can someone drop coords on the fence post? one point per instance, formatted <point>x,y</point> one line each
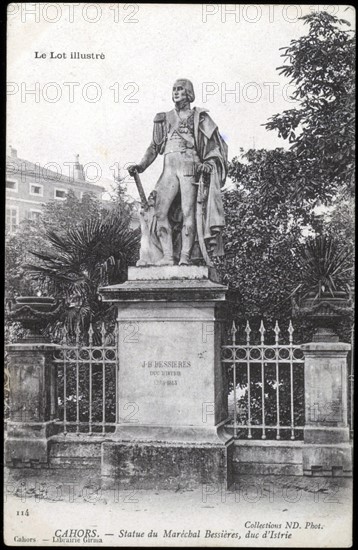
<point>32,403</point>
<point>327,450</point>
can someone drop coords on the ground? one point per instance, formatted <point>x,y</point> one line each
<point>258,511</point>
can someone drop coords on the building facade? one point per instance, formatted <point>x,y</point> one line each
<point>29,186</point>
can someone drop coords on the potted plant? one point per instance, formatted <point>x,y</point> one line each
<point>325,293</point>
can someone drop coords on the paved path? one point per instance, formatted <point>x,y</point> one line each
<point>258,511</point>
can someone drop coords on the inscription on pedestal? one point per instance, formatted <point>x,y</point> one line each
<point>165,373</point>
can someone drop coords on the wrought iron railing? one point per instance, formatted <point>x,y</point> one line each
<point>266,386</point>
<point>87,382</point>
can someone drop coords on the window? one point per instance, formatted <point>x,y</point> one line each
<point>12,185</point>
<point>11,219</point>
<point>36,189</point>
<point>35,215</point>
<point>60,193</point>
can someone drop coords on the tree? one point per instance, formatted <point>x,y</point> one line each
<point>95,253</point>
<point>17,281</point>
<point>60,216</point>
<point>273,208</point>
<point>321,128</point>
<point>75,248</point>
<point>31,237</point>
<point>263,229</point>
<point>340,223</point>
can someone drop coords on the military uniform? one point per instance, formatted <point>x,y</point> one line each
<point>179,170</point>
<point>184,142</point>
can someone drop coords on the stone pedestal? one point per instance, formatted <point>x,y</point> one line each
<point>172,389</point>
<point>327,450</point>
<point>32,403</point>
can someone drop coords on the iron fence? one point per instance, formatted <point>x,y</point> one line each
<point>87,382</point>
<point>266,386</point>
<point>265,393</point>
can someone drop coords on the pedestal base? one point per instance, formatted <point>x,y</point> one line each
<point>27,443</point>
<point>325,435</point>
<point>328,460</point>
<point>163,465</point>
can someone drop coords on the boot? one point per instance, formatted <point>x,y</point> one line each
<point>165,261</point>
<point>165,238</point>
<point>184,258</point>
<point>187,244</point>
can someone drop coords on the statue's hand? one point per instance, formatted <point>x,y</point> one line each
<point>135,168</point>
<point>204,168</point>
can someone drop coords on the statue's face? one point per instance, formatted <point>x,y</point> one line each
<point>179,92</point>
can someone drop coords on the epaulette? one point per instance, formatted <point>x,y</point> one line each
<point>159,117</point>
<point>201,110</point>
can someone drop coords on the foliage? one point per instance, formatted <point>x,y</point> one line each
<point>263,229</point>
<point>60,216</point>
<point>76,247</point>
<point>340,223</point>
<point>31,237</point>
<point>280,179</point>
<point>324,265</point>
<point>95,253</point>
<point>87,411</point>
<point>17,246</point>
<point>321,128</point>
<point>273,208</point>
<point>270,393</point>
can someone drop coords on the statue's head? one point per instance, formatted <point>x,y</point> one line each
<point>183,89</point>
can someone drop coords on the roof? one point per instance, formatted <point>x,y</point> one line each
<point>17,165</point>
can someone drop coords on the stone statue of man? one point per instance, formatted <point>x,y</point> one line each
<point>188,215</point>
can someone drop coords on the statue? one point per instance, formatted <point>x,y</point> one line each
<point>183,219</point>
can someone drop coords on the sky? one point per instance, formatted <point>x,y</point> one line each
<point>103,108</point>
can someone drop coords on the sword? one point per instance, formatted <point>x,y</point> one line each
<point>199,221</point>
<point>143,198</point>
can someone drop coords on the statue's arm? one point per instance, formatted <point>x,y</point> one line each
<point>149,156</point>
<point>158,139</point>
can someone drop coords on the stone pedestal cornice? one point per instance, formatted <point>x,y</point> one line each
<point>167,284</point>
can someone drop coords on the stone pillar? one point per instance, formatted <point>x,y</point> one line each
<point>327,450</point>
<point>172,388</point>
<point>32,403</point>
